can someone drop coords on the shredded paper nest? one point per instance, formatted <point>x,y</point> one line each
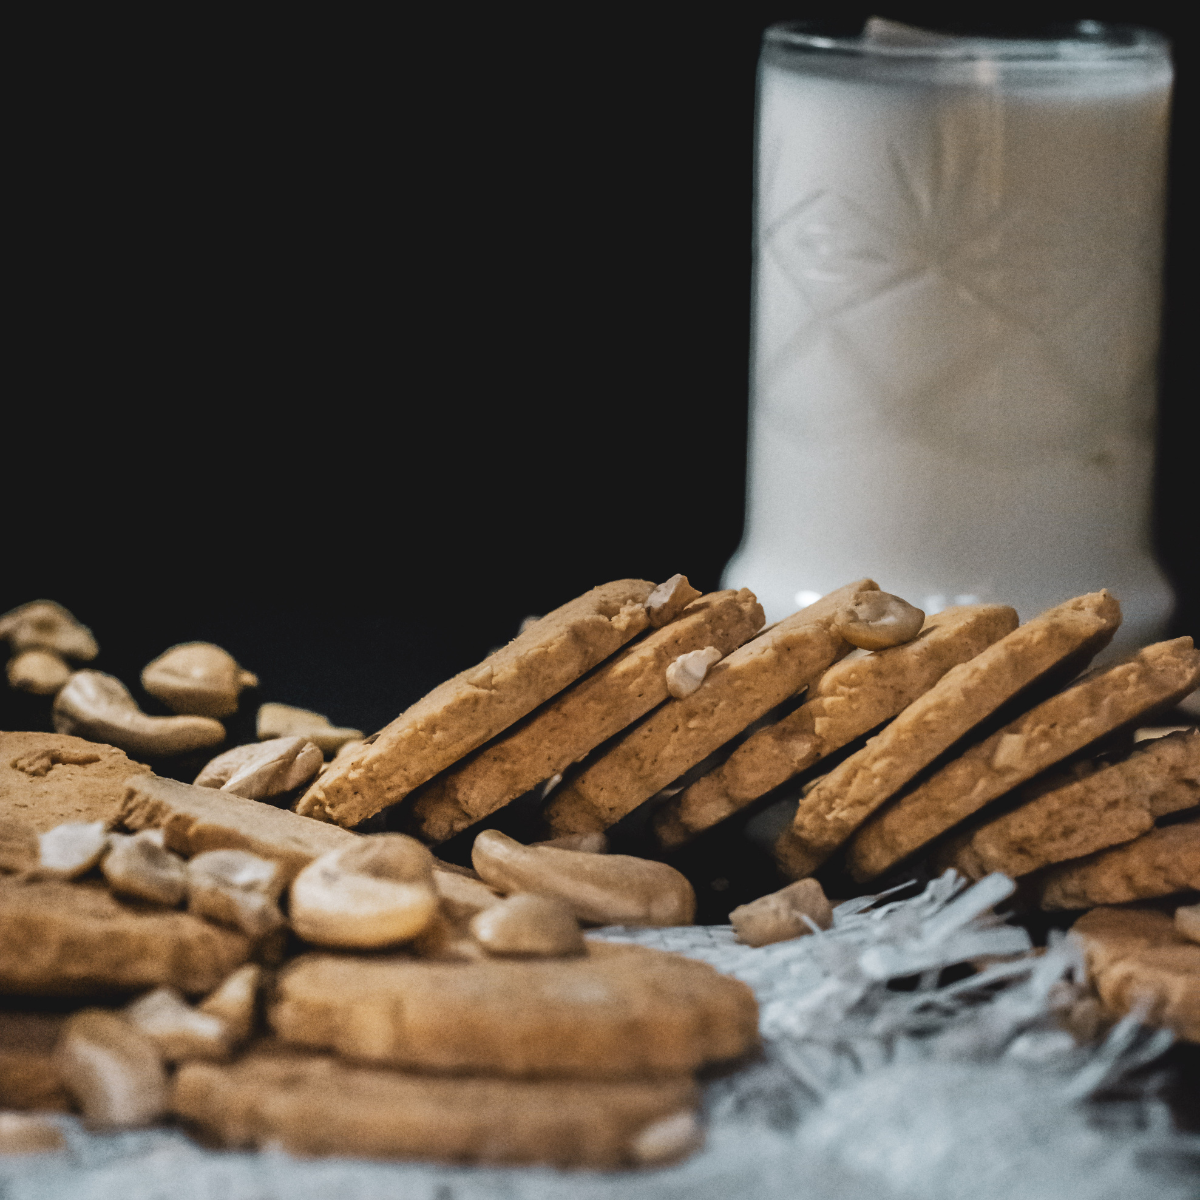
<point>862,1090</point>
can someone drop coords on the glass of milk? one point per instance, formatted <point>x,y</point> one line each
<point>958,249</point>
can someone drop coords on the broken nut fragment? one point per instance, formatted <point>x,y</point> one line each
<point>263,769</point>
<point>234,1002</point>
<point>377,893</point>
<point>537,926</point>
<point>781,915</point>
<point>114,1072</point>
<point>666,1140</point>
<point>669,599</point>
<point>197,678</point>
<point>141,868</point>
<point>236,888</point>
<point>877,620</point>
<point>45,625</point>
<point>39,672</point>
<point>282,720</point>
<point>688,671</point>
<point>178,1030</point>
<point>67,851</point>
<point>583,843</point>
<point>600,889</point>
<point>1187,921</point>
<point>99,707</point>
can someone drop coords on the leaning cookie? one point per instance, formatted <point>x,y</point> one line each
<point>1066,723</point>
<point>464,712</point>
<point>849,700</point>
<point>966,695</point>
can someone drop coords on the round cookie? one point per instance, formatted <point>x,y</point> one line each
<point>617,1012</point>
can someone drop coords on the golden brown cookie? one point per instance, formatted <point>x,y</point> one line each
<point>848,701</point>
<point>930,725</point>
<point>618,1012</point>
<point>737,691</point>
<point>589,712</point>
<point>28,1077</point>
<point>1077,717</point>
<point>69,939</point>
<point>49,779</point>
<point>1136,957</point>
<point>466,711</point>
<point>1070,815</point>
<point>314,1104</point>
<point>1158,863</point>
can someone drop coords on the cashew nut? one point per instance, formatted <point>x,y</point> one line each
<point>176,1028</point>
<point>669,599</point>
<point>461,898</point>
<point>666,1139</point>
<point>780,916</point>
<point>263,769</point>
<point>40,672</point>
<point>538,926</point>
<point>197,678</point>
<point>99,707</point>
<point>282,720</point>
<point>114,1073</point>
<point>1187,921</point>
<point>141,868</point>
<point>379,892</point>
<point>600,889</point>
<point>69,850</point>
<point>237,888</point>
<point>19,851</point>
<point>234,1002</point>
<point>877,620</point>
<point>688,671</point>
<point>29,1133</point>
<point>45,625</point>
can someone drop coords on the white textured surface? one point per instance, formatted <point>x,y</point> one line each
<point>862,1091</point>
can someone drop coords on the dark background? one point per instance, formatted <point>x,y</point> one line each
<point>348,345</point>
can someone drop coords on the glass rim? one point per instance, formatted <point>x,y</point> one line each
<point>1084,43</point>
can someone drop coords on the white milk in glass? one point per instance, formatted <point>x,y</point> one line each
<point>957,282</point>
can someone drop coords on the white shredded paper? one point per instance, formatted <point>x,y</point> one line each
<point>863,1091</point>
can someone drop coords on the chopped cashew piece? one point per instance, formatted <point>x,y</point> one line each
<point>282,720</point>
<point>197,678</point>
<point>237,888</point>
<point>29,1133</point>
<point>669,599</point>
<point>176,1028</point>
<point>41,672</point>
<point>781,915</point>
<point>538,926</point>
<point>45,625</point>
<point>377,893</point>
<point>114,1072</point>
<point>600,889</point>
<point>687,672</point>
<point>1187,921</point>
<point>99,707</point>
<point>667,1139</point>
<point>1150,733</point>
<point>70,850</point>
<point>877,620</point>
<point>234,1002</point>
<point>584,843</point>
<point>263,769</point>
<point>141,868</point>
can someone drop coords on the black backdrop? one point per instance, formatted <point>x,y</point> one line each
<point>347,342</point>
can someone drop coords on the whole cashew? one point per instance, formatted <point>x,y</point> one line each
<point>197,678</point>
<point>45,625</point>
<point>99,707</point>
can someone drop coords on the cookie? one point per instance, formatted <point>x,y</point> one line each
<point>930,725</point>
<point>1136,958</point>
<point>849,700</point>
<point>1068,817</point>
<point>589,712</point>
<point>1077,717</point>
<point>28,1077</point>
<point>316,1105</point>
<point>72,939</point>
<point>737,691</point>
<point>49,779</point>
<point>464,712</point>
<point>1158,863</point>
<point>617,1012</point>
